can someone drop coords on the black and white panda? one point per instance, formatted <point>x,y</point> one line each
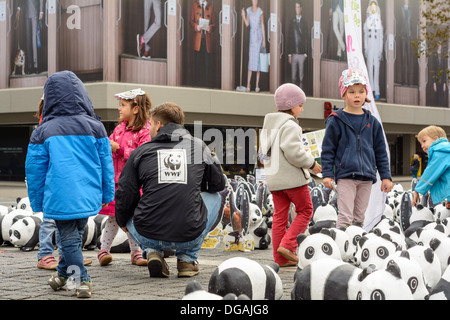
<point>326,279</point>
<point>244,276</point>
<point>441,248</point>
<point>373,249</point>
<point>195,292</point>
<point>317,246</point>
<point>24,233</point>
<point>442,289</point>
<point>429,263</point>
<point>420,217</point>
<point>90,235</point>
<point>7,221</point>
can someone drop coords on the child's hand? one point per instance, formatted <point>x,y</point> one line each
<point>415,198</point>
<point>317,169</point>
<point>386,185</point>
<point>328,182</point>
<point>114,146</point>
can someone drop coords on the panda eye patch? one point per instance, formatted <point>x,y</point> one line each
<point>382,252</point>
<point>413,283</point>
<point>377,295</point>
<point>309,253</point>
<point>25,222</point>
<point>327,249</point>
<point>365,255</point>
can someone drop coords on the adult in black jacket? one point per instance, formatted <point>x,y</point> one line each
<point>180,180</point>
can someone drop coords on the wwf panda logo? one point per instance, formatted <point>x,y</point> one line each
<point>173,162</point>
<point>172,166</point>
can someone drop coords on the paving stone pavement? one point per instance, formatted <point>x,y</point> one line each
<point>20,279</point>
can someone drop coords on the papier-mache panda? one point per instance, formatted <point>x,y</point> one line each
<point>24,233</point>
<point>244,276</point>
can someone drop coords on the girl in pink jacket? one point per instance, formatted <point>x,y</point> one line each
<point>132,131</point>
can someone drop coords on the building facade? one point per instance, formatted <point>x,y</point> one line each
<point>101,42</point>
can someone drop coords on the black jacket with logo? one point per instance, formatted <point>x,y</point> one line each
<point>172,170</point>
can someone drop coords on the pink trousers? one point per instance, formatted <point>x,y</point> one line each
<point>353,199</point>
<point>301,198</point>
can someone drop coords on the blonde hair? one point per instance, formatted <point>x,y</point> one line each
<point>432,132</point>
<point>416,156</point>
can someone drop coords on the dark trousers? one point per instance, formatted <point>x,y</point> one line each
<point>202,71</point>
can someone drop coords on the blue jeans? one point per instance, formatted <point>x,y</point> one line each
<point>71,237</point>
<point>185,251</point>
<point>46,246</point>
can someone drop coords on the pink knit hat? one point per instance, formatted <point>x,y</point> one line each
<point>289,96</point>
<point>351,77</point>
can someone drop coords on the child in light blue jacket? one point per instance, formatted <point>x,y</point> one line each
<point>69,170</point>
<point>436,177</point>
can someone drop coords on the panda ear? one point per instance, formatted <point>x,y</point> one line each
<point>300,238</point>
<point>366,271</point>
<point>329,232</point>
<point>429,255</point>
<point>362,240</point>
<point>377,231</point>
<point>193,287</point>
<point>393,268</point>
<point>434,243</point>
<point>405,254</point>
<point>274,266</point>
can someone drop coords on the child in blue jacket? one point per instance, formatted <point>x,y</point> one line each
<point>436,177</point>
<point>69,170</point>
<point>353,149</point>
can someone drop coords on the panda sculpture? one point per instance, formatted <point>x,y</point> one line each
<point>24,204</point>
<point>244,276</point>
<point>325,216</point>
<point>89,238</point>
<point>441,248</point>
<point>441,212</point>
<point>24,233</point>
<point>258,227</point>
<point>373,249</point>
<point>429,263</point>
<point>343,242</point>
<point>420,217</point>
<point>385,284</point>
<point>411,273</point>
<point>327,279</point>
<point>315,247</point>
<point>7,221</point>
<point>442,289</point>
<point>195,292</point>
<point>355,232</point>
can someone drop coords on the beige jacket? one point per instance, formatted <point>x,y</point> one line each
<point>286,162</point>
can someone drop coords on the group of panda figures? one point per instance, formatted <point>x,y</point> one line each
<point>405,256</point>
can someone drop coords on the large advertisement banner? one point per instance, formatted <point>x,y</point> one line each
<point>353,34</point>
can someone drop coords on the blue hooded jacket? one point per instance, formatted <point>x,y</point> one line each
<point>69,165</point>
<point>347,153</point>
<point>436,177</point>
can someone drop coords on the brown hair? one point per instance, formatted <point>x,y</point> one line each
<point>168,112</point>
<point>432,132</point>
<point>145,104</point>
<point>40,108</point>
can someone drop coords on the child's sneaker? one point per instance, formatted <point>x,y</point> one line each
<point>47,263</point>
<point>56,282</point>
<point>84,290</point>
<point>136,259</point>
<point>104,257</point>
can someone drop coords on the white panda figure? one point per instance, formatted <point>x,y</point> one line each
<point>244,276</point>
<point>420,217</point>
<point>429,263</point>
<point>396,236</point>
<point>411,273</point>
<point>325,216</point>
<point>442,289</point>
<point>316,246</point>
<point>389,211</point>
<point>327,279</point>
<point>4,210</point>
<point>24,233</point>
<point>195,292</point>
<point>90,235</point>
<point>441,248</point>
<point>355,232</point>
<point>343,242</point>
<point>258,227</point>
<point>373,249</point>
<point>423,236</point>
<point>441,212</point>
<point>24,204</point>
<point>385,284</point>
<point>120,243</point>
<point>440,226</point>
<point>8,220</point>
